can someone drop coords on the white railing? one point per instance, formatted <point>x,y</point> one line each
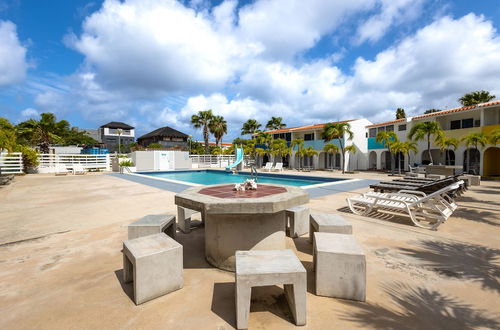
<point>48,162</point>
<point>11,163</point>
<point>200,161</point>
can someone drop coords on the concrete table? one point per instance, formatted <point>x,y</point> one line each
<point>241,220</point>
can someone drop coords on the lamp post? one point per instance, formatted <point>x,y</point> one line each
<point>119,131</point>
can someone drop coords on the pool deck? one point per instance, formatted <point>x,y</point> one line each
<point>61,265</point>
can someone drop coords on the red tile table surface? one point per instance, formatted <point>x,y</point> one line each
<point>226,191</point>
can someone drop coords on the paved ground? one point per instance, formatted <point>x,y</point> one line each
<point>61,265</point>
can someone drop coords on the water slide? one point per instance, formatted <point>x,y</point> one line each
<point>239,159</point>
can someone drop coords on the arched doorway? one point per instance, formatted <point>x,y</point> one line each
<point>473,166</point>
<point>449,157</point>
<point>385,159</point>
<point>492,162</point>
<point>436,157</point>
<point>400,161</point>
<point>372,161</point>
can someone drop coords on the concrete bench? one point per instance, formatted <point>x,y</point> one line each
<point>298,220</point>
<point>152,224</point>
<point>184,219</point>
<point>270,267</point>
<point>154,264</point>
<point>328,223</point>
<point>339,266</point>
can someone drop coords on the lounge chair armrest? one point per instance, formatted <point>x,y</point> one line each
<point>413,192</point>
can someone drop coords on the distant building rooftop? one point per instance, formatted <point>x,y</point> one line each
<point>164,132</point>
<point>117,124</point>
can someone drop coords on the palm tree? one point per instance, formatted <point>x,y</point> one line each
<point>474,139</point>
<point>409,146</point>
<point>445,143</point>
<point>43,132</point>
<point>476,97</point>
<point>279,148</point>
<point>495,137</point>
<point>351,149</point>
<point>423,130</point>
<point>299,143</point>
<point>218,127</point>
<point>398,147</point>
<point>7,135</point>
<point>400,113</point>
<point>251,126</point>
<point>338,131</point>
<point>275,123</point>
<point>330,149</point>
<point>387,138</point>
<point>202,120</point>
<point>309,152</point>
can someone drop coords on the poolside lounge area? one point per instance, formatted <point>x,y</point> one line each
<point>61,263</point>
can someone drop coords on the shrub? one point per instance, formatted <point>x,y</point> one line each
<point>126,163</point>
<point>155,146</point>
<point>30,157</point>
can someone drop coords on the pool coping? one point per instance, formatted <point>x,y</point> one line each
<point>268,174</point>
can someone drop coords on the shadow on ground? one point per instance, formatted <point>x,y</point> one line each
<point>459,260</point>
<point>418,308</point>
<point>380,215</point>
<point>128,288</point>
<point>264,299</point>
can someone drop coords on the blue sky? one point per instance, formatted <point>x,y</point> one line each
<point>155,63</point>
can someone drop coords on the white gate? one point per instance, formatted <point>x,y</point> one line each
<point>11,163</point>
<point>48,162</point>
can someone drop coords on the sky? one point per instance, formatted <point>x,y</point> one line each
<point>155,63</point>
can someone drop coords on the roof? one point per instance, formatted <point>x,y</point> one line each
<point>444,112</point>
<point>305,128</point>
<point>164,131</point>
<point>224,144</point>
<point>117,124</point>
<point>387,122</point>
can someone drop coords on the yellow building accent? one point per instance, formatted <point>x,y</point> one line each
<point>491,162</point>
<point>489,129</point>
<point>460,133</point>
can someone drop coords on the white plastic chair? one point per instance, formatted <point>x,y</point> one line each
<point>78,169</point>
<point>278,167</point>
<point>61,169</point>
<point>268,167</point>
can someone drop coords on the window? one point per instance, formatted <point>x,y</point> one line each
<point>477,123</point>
<point>380,129</point>
<point>288,136</point>
<point>372,132</point>
<point>402,127</point>
<point>467,123</point>
<point>455,124</point>
<point>389,128</point>
<point>309,137</point>
<point>276,136</point>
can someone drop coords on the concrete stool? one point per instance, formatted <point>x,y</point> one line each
<point>184,218</point>
<point>298,218</point>
<point>328,223</point>
<point>152,224</point>
<point>270,267</point>
<point>154,263</point>
<point>340,266</point>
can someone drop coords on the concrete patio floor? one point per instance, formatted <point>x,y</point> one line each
<point>61,264</point>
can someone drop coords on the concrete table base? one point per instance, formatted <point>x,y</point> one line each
<point>227,233</point>
<point>184,219</point>
<point>298,218</point>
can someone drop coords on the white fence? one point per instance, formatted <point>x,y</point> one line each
<point>11,163</point>
<point>48,162</point>
<point>200,161</point>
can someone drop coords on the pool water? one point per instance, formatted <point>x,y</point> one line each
<point>207,177</point>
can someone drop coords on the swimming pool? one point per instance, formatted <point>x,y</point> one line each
<point>207,177</point>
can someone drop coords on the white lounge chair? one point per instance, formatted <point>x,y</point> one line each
<point>278,167</point>
<point>78,169</point>
<point>61,169</point>
<point>427,211</point>
<point>268,167</point>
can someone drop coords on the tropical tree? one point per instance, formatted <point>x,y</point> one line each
<point>388,138</point>
<point>351,149</point>
<point>309,152</point>
<point>264,138</point>
<point>338,131</point>
<point>299,143</point>
<point>218,127</point>
<point>275,123</point>
<point>202,120</point>
<point>261,152</point>
<point>397,147</point>
<point>424,130</point>
<point>475,140</point>
<point>495,137</point>
<point>445,143</point>
<point>476,97</point>
<point>8,139</point>
<point>279,148</point>
<point>251,126</point>
<point>409,146</point>
<point>43,132</point>
<point>330,149</point>
<point>400,113</point>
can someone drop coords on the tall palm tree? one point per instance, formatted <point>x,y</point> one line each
<point>398,147</point>
<point>275,123</point>
<point>351,149</point>
<point>264,138</point>
<point>410,146</point>
<point>251,126</point>
<point>330,149</point>
<point>387,138</point>
<point>423,130</point>
<point>218,127</point>
<point>43,132</point>
<point>400,113</point>
<point>474,139</point>
<point>476,97</point>
<point>338,131</point>
<point>299,143</point>
<point>279,148</point>
<point>202,120</point>
<point>445,143</point>
<point>309,152</point>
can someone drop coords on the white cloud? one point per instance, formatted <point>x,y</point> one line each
<point>13,64</point>
<point>30,113</point>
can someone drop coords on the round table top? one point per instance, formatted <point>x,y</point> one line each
<point>222,199</point>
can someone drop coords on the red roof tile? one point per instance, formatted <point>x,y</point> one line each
<point>387,122</point>
<point>305,127</point>
<point>443,112</point>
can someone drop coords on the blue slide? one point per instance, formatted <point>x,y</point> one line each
<point>239,159</point>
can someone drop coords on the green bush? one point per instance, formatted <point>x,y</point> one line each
<point>126,163</point>
<point>30,157</point>
<point>155,146</point>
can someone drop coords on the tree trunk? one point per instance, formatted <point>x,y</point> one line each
<point>393,161</point>
<point>468,160</point>
<point>429,147</point>
<point>409,169</point>
<point>205,137</point>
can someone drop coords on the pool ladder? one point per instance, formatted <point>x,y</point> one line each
<point>253,172</point>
